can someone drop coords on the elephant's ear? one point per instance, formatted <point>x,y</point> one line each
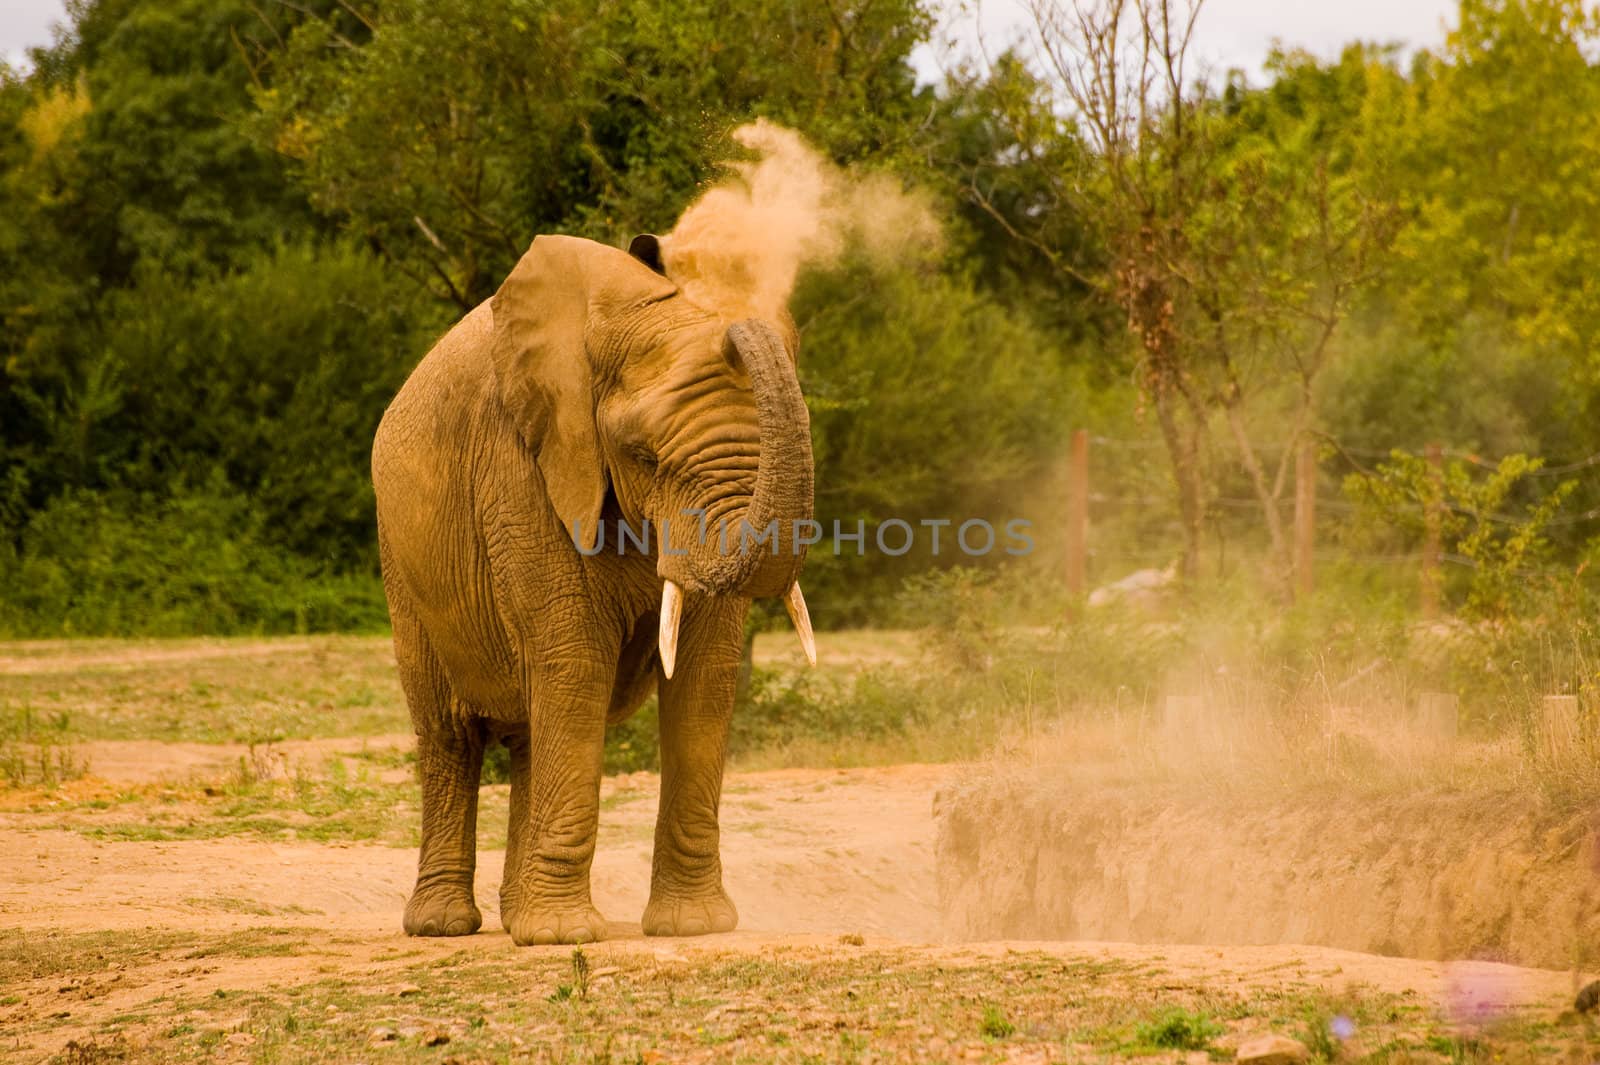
<point>547,319</point>
<point>646,247</point>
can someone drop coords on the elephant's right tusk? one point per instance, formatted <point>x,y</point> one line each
<point>671,610</point>
<point>796,604</point>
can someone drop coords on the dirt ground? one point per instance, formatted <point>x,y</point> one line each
<point>152,911</point>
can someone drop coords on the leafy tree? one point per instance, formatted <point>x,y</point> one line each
<point>1476,518</point>
<point>929,401</point>
<point>1235,233</point>
<point>464,127</point>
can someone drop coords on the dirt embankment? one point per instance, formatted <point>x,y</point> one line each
<point>1022,856</point>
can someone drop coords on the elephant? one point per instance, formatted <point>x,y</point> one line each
<point>587,391</point>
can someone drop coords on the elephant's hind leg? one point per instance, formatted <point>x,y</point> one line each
<point>517,746</point>
<point>449,760</point>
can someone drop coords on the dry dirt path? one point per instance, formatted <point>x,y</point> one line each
<point>805,851</point>
<point>818,861</point>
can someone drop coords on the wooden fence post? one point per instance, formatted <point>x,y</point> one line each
<point>1305,516</point>
<point>1078,514</point>
<point>1433,526</point>
<point>1438,715</point>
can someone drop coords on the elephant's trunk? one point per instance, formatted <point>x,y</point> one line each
<point>756,546</point>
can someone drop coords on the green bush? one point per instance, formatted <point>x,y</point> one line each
<point>1177,1029</point>
<point>195,562</point>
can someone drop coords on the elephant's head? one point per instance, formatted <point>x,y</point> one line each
<point>626,389</point>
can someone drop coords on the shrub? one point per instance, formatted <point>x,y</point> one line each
<point>190,563</point>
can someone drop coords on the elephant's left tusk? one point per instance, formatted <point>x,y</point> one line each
<point>671,610</point>
<point>796,604</point>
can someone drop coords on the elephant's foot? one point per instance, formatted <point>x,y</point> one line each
<point>442,911</point>
<point>535,923</point>
<point>689,915</point>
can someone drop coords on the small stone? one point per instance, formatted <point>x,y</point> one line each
<point>1588,998</point>
<point>241,1039</point>
<point>435,1037</point>
<point>938,1044</point>
<point>383,1035</point>
<point>1272,1049</point>
<point>407,990</point>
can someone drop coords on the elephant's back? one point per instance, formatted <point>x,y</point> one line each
<point>442,396</point>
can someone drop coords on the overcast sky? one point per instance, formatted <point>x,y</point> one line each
<point>1230,33</point>
<point>26,22</point>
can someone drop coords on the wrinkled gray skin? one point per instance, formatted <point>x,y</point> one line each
<point>587,387</point>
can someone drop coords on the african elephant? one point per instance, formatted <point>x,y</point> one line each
<point>588,389</point>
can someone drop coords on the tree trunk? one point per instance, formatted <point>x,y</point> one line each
<point>1184,451</point>
<point>1265,496</point>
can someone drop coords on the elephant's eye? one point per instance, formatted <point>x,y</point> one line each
<point>644,457</point>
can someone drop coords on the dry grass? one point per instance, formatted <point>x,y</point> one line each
<point>782,1004</point>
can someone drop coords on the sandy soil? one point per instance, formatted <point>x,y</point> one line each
<point>809,853</point>
<point>806,851</point>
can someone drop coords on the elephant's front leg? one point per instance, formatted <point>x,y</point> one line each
<point>686,894</point>
<point>550,902</point>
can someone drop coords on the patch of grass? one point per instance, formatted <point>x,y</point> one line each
<point>1459,1049</point>
<point>994,1024</point>
<point>37,749</point>
<point>1176,1029</point>
<point>38,955</point>
<point>336,803</point>
<point>211,691</point>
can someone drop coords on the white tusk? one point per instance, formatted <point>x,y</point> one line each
<point>801,617</point>
<point>671,610</point>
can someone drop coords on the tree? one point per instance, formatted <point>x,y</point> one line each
<point>1233,233</point>
<point>464,127</point>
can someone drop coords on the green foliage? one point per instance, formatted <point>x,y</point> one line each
<point>254,372</point>
<point>994,1024</point>
<point>463,127</point>
<point>228,229</point>
<point>37,750</point>
<point>635,744</point>
<point>1177,1029</point>
<point>1473,517</point>
<point>187,563</point>
<point>929,401</point>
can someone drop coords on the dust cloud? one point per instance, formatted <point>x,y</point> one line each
<point>741,246</point>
